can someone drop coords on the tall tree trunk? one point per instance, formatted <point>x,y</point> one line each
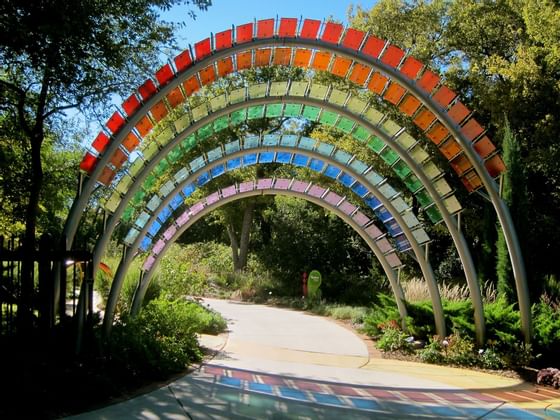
<point>240,247</point>
<point>234,246</point>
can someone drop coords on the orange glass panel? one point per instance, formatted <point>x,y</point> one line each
<point>472,129</point>
<point>118,158</point>
<point>359,73</point>
<point>353,38</point>
<point>175,97</point>
<point>100,142</point>
<point>130,142</point>
<point>310,28</point>
<point>373,46</point>
<point>106,176</point>
<point>131,105</point>
<point>424,119</point>
<point>147,89</point>
<point>460,164</point>
<point>437,133</point>
<point>471,181</point>
<point>225,66</point>
<point>321,60</point>
<point>88,163</point>
<point>484,147</point>
<point>394,93</point>
<point>428,81</point>
<point>183,60</point>
<point>444,96</point>
<point>458,112</point>
<point>495,166</point>
<point>288,27</point>
<point>223,40</point>
<point>191,85</point>
<point>409,105</point>
<point>202,48</point>
<point>332,32</point>
<point>164,75</point>
<point>116,122</point>
<point>377,83</point>
<point>450,148</point>
<point>144,126</point>
<point>158,111</point>
<point>282,56</point>
<point>392,56</point>
<point>262,57</point>
<point>340,66</point>
<point>265,28</point>
<point>244,33</point>
<point>411,67</point>
<point>207,75</point>
<point>244,60</point>
<point>302,58</point>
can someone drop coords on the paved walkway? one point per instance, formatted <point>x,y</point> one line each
<point>276,363</point>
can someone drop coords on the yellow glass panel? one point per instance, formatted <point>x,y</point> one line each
<point>406,140</point>
<point>124,183</point>
<point>165,136</point>
<point>442,187</point>
<point>278,88</point>
<point>257,91</point>
<point>452,204</point>
<point>236,96</point>
<point>113,202</point>
<point>136,167</point>
<point>318,91</point>
<point>390,127</point>
<point>356,105</point>
<point>182,123</point>
<point>338,97</point>
<point>431,170</point>
<point>418,154</point>
<point>200,112</point>
<point>218,102</point>
<point>373,116</point>
<point>150,150</point>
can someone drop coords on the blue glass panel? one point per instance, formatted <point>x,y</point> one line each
<point>359,189</point>
<point>181,175</point>
<point>289,140</point>
<point>374,177</point>
<point>214,154</point>
<point>233,164</point>
<point>332,171</point>
<point>164,214</point>
<point>154,228</point>
<point>283,157</point>
<point>251,142</point>
<point>203,179</point>
<point>271,139</point>
<point>402,243</point>
<point>300,160</point>
<point>325,149</point>
<point>188,190</point>
<point>266,157</point>
<point>176,202</point>
<point>217,171</point>
<point>232,147</point>
<point>306,143</point>
<point>383,214</point>
<point>153,203</point>
<point>347,179</point>
<point>145,244</point>
<point>250,159</point>
<point>358,166</point>
<point>393,228</point>
<point>316,165</point>
<point>372,202</point>
<point>342,156</point>
<point>197,163</point>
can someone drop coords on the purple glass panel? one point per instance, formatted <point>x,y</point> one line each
<point>229,191</point>
<point>360,218</point>
<point>158,247</point>
<point>149,262</point>
<point>247,186</point>
<point>316,191</point>
<point>182,219</point>
<point>373,232</point>
<point>384,245</point>
<point>347,207</point>
<point>171,230</point>
<point>263,184</point>
<point>212,198</point>
<point>282,184</point>
<point>393,260</point>
<point>299,186</point>
<point>333,198</point>
<point>196,208</point>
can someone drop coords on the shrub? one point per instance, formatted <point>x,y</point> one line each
<point>460,350</point>
<point>384,311</point>
<point>489,359</point>
<point>393,340</point>
<point>433,352</point>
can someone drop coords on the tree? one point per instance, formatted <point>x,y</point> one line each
<point>58,55</point>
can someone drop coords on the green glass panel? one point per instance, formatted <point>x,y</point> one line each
<point>199,112</point>
<point>402,169</point>
<point>274,111</point>
<point>292,110</point>
<point>189,142</point>
<point>236,96</point>
<point>161,167</point>
<point>412,183</point>
<point>149,182</point>
<point>205,132</point>
<point>128,213</point>
<point>298,88</point>
<point>433,214</point>
<point>318,91</point>
<point>255,112</point>
<point>278,88</point>
<point>257,91</point>
<point>138,197</point>
<point>311,112</point>
<point>329,118</point>
<point>389,156</point>
<point>221,123</point>
<point>356,105</point>
<point>218,102</point>
<point>182,123</point>
<point>376,144</point>
<point>175,154</point>
<point>361,134</point>
<point>338,97</point>
<point>424,198</point>
<point>238,117</point>
<point>345,125</point>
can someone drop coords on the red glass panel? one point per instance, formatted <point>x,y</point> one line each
<point>106,176</point>
<point>460,164</point>
<point>394,93</point>
<point>183,60</point>
<point>131,105</point>
<point>359,74</point>
<point>175,97</point>
<point>88,163</point>
<point>444,96</point>
<point>164,75</point>
<point>118,158</point>
<point>207,75</point>
<point>321,60</point>
<point>100,142</point>
<point>353,38</point>
<point>471,181</point>
<point>223,40</point>
<point>130,142</point>
<point>302,58</point>
<point>158,111</point>
<point>288,27</point>
<point>262,57</point>
<point>428,81</point>
<point>191,85</point>
<point>340,66</point>
<point>411,67</point>
<point>472,129</point>
<point>377,83</point>
<point>458,112</point>
<point>282,56</point>
<point>144,126</point>
<point>244,33</point>
<point>484,147</point>
<point>437,133</point>
<point>147,89</point>
<point>373,46</point>
<point>115,122</point>
<point>450,148</point>
<point>495,166</point>
<point>332,32</point>
<point>392,56</point>
<point>409,105</point>
<point>244,60</point>
<point>225,66</point>
<point>202,48</point>
<point>265,28</point>
<point>310,28</point>
<point>424,119</point>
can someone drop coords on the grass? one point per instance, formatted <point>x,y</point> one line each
<point>416,290</point>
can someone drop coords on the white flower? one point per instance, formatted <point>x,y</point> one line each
<point>480,351</point>
<point>445,343</point>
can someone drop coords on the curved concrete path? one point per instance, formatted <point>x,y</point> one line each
<point>278,363</point>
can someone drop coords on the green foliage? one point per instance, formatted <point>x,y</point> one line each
<point>392,340</point>
<point>546,331</point>
<point>384,312</point>
<point>433,352</point>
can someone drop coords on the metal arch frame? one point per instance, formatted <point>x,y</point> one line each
<point>420,255</point>
<point>395,285</point>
